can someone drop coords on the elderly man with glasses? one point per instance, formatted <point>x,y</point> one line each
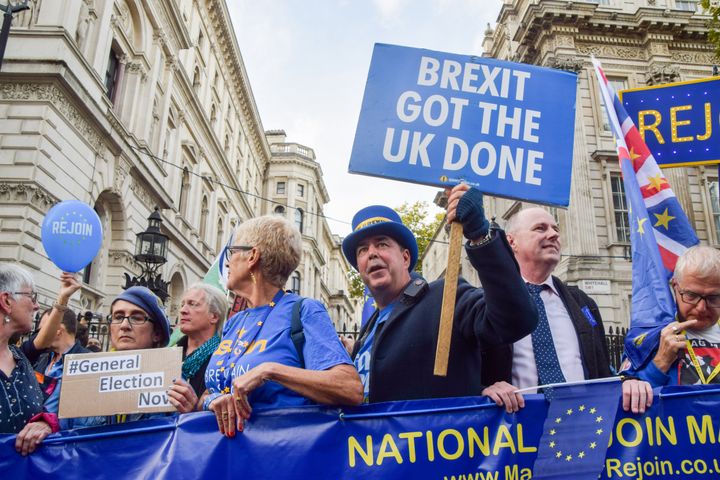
<point>688,350</point>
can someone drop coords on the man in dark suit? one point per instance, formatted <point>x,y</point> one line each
<point>396,349</point>
<point>568,344</point>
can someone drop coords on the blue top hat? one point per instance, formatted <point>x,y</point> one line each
<point>379,220</point>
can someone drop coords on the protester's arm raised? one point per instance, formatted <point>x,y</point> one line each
<point>69,285</point>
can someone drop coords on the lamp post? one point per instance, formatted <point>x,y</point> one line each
<point>10,9</point>
<point>150,250</point>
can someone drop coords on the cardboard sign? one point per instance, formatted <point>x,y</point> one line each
<point>133,381</point>
<point>440,119</point>
<point>679,122</point>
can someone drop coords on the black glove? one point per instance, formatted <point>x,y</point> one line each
<point>471,214</point>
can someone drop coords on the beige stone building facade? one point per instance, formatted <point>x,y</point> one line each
<point>295,186</point>
<point>127,105</point>
<point>639,43</point>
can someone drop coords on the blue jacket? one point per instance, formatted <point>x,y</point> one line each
<point>403,351</point>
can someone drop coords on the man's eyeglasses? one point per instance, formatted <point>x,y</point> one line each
<point>693,298</point>
<point>32,295</point>
<point>229,251</point>
<point>134,319</point>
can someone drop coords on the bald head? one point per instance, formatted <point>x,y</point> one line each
<point>534,237</point>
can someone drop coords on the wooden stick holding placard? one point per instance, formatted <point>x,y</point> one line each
<point>442,352</point>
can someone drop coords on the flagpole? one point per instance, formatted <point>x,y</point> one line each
<point>570,384</point>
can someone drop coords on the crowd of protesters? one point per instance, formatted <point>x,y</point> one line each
<point>524,328</point>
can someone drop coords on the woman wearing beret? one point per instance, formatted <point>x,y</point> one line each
<point>138,321</point>
<point>257,365</point>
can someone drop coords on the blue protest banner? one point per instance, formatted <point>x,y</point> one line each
<point>439,118</point>
<point>678,121</point>
<point>443,439</point>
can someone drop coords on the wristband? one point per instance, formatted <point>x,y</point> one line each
<point>209,399</point>
<point>60,307</point>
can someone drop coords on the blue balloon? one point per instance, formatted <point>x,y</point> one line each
<point>72,235</point>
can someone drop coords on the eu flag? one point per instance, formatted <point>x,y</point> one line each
<point>577,429</point>
<point>659,230</point>
<point>369,306</point>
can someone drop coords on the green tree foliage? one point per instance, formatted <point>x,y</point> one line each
<point>712,8</point>
<point>417,218</point>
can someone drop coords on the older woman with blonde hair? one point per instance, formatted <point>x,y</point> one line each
<point>257,363</point>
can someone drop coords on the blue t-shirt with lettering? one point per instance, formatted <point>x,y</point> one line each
<point>239,352</point>
<point>362,359</point>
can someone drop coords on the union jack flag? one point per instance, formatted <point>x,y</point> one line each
<point>659,229</point>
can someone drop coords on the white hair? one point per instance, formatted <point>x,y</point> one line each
<point>216,300</point>
<point>13,278</point>
<point>701,261</point>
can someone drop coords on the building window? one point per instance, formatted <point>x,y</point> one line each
<point>196,79</point>
<point>688,5</point>
<point>220,236</point>
<point>618,83</point>
<point>299,219</point>
<point>204,212</point>
<point>620,209</point>
<point>295,283</point>
<point>279,210</point>
<point>184,191</point>
<point>715,206</point>
<point>280,188</point>
<point>111,75</point>
<point>300,190</point>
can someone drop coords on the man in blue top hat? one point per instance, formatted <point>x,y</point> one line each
<point>396,349</point>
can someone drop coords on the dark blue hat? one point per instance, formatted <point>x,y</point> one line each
<point>148,301</point>
<point>379,220</point>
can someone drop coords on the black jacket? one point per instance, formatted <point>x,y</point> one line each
<point>497,364</point>
<point>403,352</point>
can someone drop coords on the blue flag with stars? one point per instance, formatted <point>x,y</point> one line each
<point>577,429</point>
<point>369,306</point>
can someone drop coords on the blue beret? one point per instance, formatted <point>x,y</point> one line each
<point>148,301</point>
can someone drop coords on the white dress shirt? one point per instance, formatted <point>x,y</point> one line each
<point>567,346</point>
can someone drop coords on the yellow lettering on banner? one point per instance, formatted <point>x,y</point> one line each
<point>503,439</point>
<point>474,440</point>
<point>224,347</point>
<point>652,127</point>
<point>521,441</point>
<point>621,436</point>
<point>629,469</point>
<point>675,123</point>
<point>660,431</point>
<point>612,467</point>
<point>441,444</point>
<point>410,437</point>
<point>430,447</point>
<point>388,449</point>
<point>708,124</point>
<point>701,436</point>
<point>354,447</point>
<point>261,344</point>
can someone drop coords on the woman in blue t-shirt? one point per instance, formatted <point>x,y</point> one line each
<point>257,364</point>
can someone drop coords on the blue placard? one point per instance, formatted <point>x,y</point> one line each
<point>439,118</point>
<point>679,122</point>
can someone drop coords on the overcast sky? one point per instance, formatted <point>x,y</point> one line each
<point>308,62</point>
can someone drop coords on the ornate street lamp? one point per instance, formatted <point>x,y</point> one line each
<point>10,9</point>
<point>150,250</point>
